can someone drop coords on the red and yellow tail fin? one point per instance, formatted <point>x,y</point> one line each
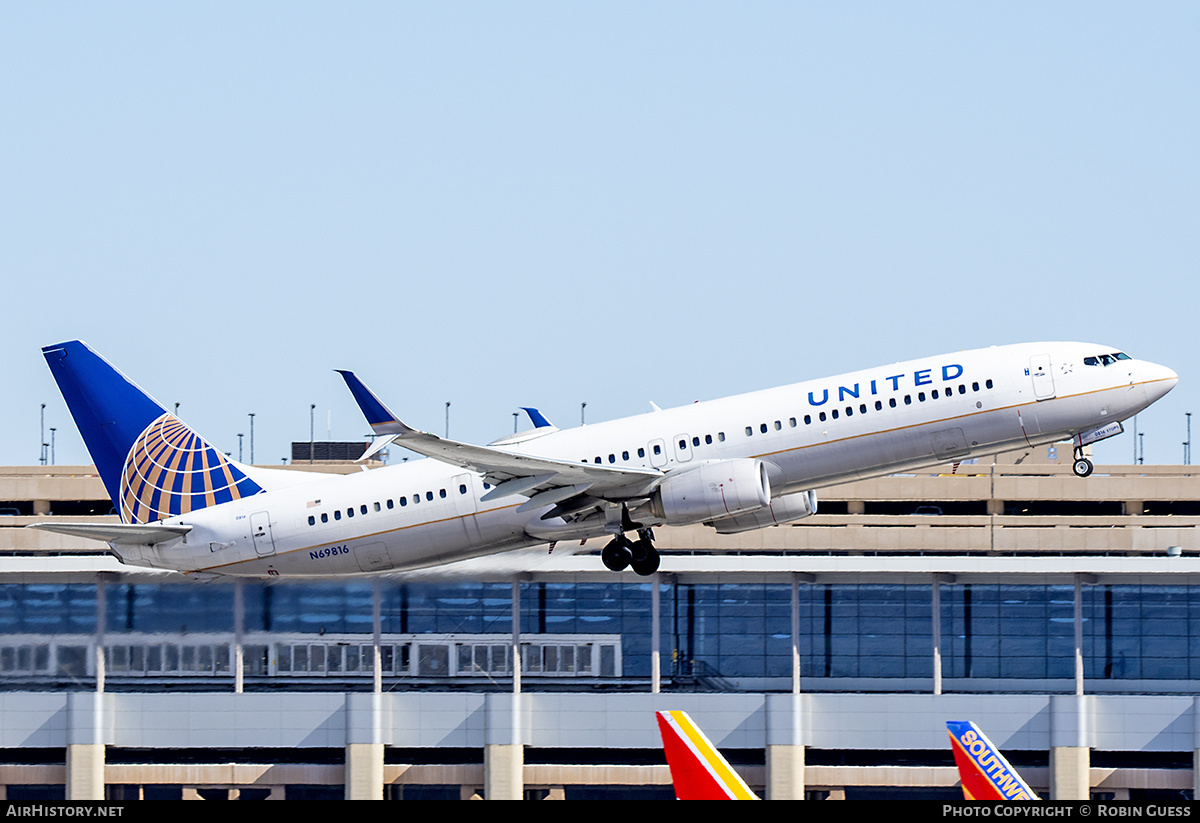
<point>698,770</point>
<point>984,772</point>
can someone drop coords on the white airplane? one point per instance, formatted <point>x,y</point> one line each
<point>735,464</point>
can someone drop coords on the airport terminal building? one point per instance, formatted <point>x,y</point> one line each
<point>824,658</point>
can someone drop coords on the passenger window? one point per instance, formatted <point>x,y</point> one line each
<point>612,458</point>
<point>934,394</point>
<point>324,517</point>
<point>908,399</point>
<point>695,441</point>
<point>721,437</point>
<point>337,515</point>
<point>378,507</point>
<point>442,493</point>
<point>657,449</point>
<point>749,431</point>
<point>350,512</point>
<point>403,502</point>
<point>363,508</point>
<point>808,419</point>
<point>778,426</point>
<point>834,414</point>
<point>429,496</point>
<point>682,445</point>
<point>822,417</point>
<point>312,521</point>
<point>762,427</point>
<point>462,488</point>
<point>641,452</point>
<point>792,422</point>
<point>708,439</point>
<point>624,455</point>
<point>988,383</point>
<point>975,386</point>
<point>849,411</point>
<point>892,402</point>
<point>391,504</point>
<point>878,405</point>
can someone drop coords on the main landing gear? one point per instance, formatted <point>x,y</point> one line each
<point>640,554</point>
<point>1083,467</point>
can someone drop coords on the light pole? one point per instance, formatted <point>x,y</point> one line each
<point>251,438</point>
<point>1187,444</point>
<point>312,410</point>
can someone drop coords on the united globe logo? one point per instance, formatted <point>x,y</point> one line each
<point>171,470</point>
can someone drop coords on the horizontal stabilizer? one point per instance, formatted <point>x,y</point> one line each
<point>123,534</point>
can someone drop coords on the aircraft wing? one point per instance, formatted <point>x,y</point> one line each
<point>511,472</point>
<point>698,770</point>
<point>543,480</point>
<point>127,534</point>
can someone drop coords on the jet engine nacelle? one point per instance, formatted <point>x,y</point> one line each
<point>785,509</point>
<point>712,490</point>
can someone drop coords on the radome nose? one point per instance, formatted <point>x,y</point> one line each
<point>1158,381</point>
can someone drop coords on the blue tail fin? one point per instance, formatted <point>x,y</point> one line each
<point>152,465</point>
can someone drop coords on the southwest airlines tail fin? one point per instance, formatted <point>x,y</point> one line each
<point>984,772</point>
<point>698,770</point>
<point>152,465</point>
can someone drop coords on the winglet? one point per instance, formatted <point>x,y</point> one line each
<point>537,418</point>
<point>698,770</point>
<point>382,421</point>
<point>984,772</point>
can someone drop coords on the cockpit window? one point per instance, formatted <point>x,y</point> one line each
<point>1106,359</point>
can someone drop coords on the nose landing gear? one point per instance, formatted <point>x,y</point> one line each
<point>1083,466</point>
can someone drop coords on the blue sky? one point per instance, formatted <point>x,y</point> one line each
<point>506,204</point>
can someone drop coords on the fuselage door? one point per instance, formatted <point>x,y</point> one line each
<point>1039,373</point>
<point>260,531</point>
<point>658,453</point>
<point>465,505</point>
<point>683,448</point>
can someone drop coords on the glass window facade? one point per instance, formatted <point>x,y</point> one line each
<point>729,630</point>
